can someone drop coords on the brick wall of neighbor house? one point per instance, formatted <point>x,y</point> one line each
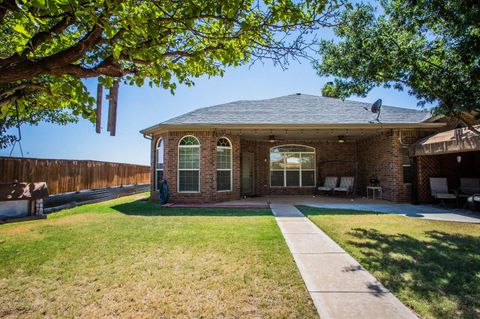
<point>325,151</point>
<point>208,183</point>
<point>445,166</point>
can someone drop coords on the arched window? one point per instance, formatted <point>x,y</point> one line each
<point>159,162</point>
<point>292,166</point>
<point>189,164</point>
<point>224,165</point>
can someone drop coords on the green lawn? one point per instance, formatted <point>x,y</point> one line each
<point>132,258</point>
<point>432,266</point>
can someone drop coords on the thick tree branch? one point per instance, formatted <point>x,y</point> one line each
<point>46,36</point>
<point>467,124</point>
<point>52,65</point>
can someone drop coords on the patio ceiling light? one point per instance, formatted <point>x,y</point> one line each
<point>341,139</point>
<point>271,138</point>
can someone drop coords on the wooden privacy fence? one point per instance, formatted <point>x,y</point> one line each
<point>64,176</point>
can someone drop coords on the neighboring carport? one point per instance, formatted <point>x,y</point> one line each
<point>453,154</point>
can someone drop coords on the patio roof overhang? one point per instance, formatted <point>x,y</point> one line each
<point>452,141</point>
<point>292,131</point>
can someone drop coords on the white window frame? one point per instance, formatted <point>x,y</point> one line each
<point>188,169</point>
<point>405,148</point>
<point>284,170</point>
<point>231,163</point>
<point>160,140</point>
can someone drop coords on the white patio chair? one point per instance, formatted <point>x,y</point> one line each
<point>346,185</point>
<point>470,185</point>
<point>474,202</point>
<point>439,189</point>
<point>329,184</point>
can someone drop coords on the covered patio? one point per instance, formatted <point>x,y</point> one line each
<point>454,155</point>
<point>296,160</point>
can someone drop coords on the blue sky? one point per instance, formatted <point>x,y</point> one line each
<point>142,107</point>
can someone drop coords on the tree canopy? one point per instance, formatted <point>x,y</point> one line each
<point>431,48</point>
<point>49,46</point>
<point>330,90</point>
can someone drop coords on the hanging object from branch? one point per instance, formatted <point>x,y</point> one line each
<point>98,120</point>
<point>112,110</point>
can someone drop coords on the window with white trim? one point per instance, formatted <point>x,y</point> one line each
<point>189,164</point>
<point>407,166</point>
<point>292,166</point>
<point>159,157</point>
<point>224,165</point>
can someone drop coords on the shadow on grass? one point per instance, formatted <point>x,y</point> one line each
<point>149,208</point>
<point>441,266</point>
<point>316,211</point>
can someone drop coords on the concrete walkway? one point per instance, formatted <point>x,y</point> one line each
<point>338,285</point>
<point>408,210</point>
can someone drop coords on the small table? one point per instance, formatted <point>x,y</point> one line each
<point>373,189</point>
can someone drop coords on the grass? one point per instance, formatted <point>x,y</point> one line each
<point>432,266</point>
<point>132,258</point>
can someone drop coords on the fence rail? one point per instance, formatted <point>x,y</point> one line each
<point>63,176</point>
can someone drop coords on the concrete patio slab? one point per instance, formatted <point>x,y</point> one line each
<point>339,286</point>
<point>408,210</point>
<point>360,305</point>
<point>382,206</point>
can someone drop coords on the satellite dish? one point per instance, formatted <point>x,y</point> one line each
<point>376,108</point>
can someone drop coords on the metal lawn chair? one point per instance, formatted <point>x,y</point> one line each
<point>474,202</point>
<point>346,185</point>
<point>470,185</point>
<point>329,184</point>
<point>439,190</point>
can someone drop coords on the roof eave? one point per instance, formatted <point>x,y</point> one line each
<point>163,127</point>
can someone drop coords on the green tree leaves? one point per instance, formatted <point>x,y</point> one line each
<point>429,48</point>
<point>48,45</point>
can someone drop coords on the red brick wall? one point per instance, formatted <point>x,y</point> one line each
<point>380,155</point>
<point>208,183</point>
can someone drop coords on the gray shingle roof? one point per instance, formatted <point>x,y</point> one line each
<point>297,109</point>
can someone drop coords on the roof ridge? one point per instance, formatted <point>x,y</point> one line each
<point>298,108</point>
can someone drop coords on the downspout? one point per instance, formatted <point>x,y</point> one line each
<point>400,139</point>
<point>152,171</point>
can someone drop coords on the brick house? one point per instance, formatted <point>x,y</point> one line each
<point>287,145</point>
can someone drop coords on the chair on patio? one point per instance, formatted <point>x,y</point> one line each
<point>329,184</point>
<point>470,185</point>
<point>474,202</point>
<point>439,189</point>
<point>346,185</point>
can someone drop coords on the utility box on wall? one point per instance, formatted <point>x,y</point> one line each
<point>22,199</point>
